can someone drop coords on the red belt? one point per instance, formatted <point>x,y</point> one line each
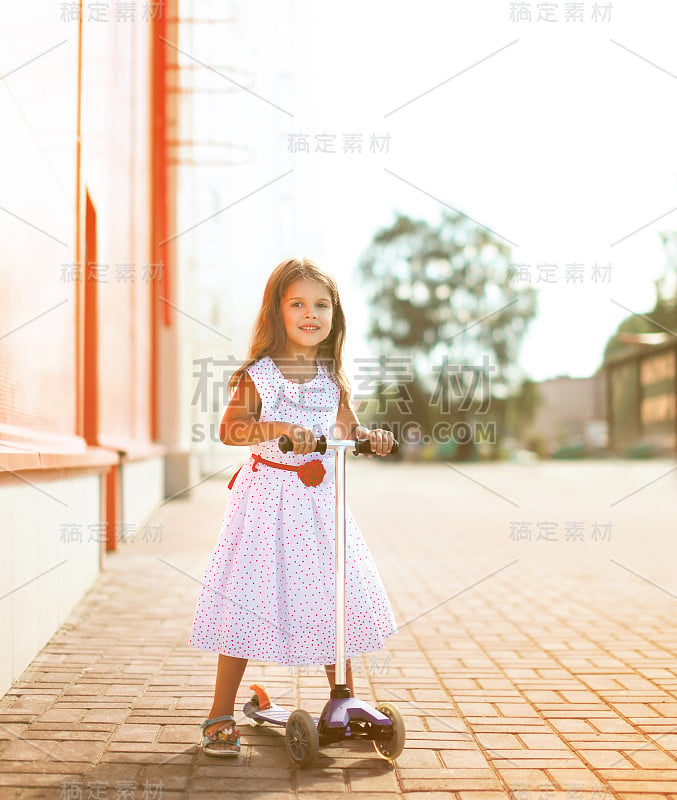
<point>311,472</point>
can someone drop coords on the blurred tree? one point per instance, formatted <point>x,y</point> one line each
<point>441,299</point>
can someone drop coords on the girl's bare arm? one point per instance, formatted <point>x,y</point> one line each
<point>240,424</point>
<point>347,424</point>
<point>348,427</point>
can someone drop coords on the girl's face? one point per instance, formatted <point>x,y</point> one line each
<point>307,315</point>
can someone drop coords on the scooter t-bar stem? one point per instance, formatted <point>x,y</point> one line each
<point>340,445</point>
<point>340,686</point>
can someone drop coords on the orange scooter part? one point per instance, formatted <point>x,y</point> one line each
<point>262,695</point>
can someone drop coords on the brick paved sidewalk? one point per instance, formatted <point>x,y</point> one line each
<point>535,656</point>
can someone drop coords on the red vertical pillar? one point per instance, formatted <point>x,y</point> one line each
<point>91,327</point>
<point>113,511</point>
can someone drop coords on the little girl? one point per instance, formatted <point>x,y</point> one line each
<point>268,592</point>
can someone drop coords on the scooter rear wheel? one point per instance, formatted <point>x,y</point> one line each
<point>391,744</point>
<point>303,741</point>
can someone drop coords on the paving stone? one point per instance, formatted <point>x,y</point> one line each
<point>653,759</point>
<point>555,672</point>
<point>87,751</point>
<point>428,796</point>
<point>449,783</point>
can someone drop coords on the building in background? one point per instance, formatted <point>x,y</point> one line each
<point>91,423</point>
<point>572,414</point>
<point>642,390</point>
<point>148,195</point>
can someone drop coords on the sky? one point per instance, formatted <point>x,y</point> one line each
<point>560,140</point>
<point>557,135</point>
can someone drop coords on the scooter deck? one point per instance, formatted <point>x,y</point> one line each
<point>276,715</point>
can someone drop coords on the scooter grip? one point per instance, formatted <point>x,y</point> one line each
<point>286,445</point>
<point>364,446</point>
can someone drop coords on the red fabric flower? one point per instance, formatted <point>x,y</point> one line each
<point>312,472</point>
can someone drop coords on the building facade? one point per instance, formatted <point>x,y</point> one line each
<point>90,442</point>
<point>572,413</point>
<point>642,399</point>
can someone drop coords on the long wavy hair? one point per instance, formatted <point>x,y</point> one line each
<point>269,336</point>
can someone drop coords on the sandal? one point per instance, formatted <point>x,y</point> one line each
<point>218,742</point>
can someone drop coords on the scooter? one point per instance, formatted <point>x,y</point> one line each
<point>343,717</point>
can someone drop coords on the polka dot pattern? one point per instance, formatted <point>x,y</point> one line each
<point>268,592</point>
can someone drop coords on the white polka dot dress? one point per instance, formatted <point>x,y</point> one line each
<point>268,592</point>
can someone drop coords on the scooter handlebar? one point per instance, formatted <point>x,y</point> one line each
<point>362,446</point>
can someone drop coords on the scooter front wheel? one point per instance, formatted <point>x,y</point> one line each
<point>303,741</point>
<point>390,745</point>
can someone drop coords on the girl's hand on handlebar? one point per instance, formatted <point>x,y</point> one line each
<point>381,441</point>
<point>304,439</point>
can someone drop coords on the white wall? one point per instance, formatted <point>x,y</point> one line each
<point>142,490</point>
<point>45,569</point>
